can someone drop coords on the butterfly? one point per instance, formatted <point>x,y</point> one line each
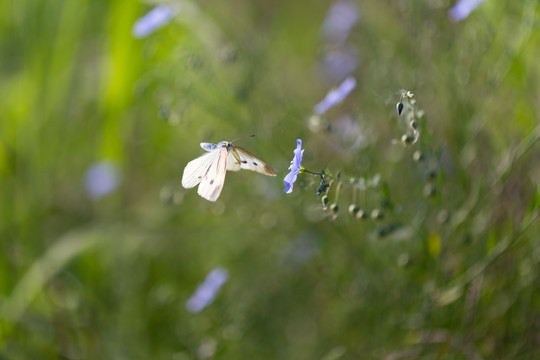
<point>209,169</point>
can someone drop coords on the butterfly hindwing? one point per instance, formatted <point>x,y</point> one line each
<point>233,161</point>
<point>212,183</point>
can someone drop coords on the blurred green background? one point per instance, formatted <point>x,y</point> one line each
<point>102,247</point>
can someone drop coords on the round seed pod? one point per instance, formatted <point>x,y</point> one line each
<point>377,214</point>
<point>429,190</point>
<point>325,201</point>
<point>407,139</point>
<point>353,209</point>
<point>362,214</point>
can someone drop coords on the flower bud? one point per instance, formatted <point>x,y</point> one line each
<point>413,124</point>
<point>334,208</point>
<point>353,209</point>
<point>399,107</point>
<point>322,188</point>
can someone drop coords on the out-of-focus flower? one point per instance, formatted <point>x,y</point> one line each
<point>463,8</point>
<point>341,17</point>
<point>296,167</point>
<point>351,134</point>
<point>101,179</point>
<point>156,18</point>
<point>300,250</point>
<point>336,96</point>
<point>207,291</point>
<point>338,64</point>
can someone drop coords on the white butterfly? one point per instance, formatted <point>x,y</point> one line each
<point>209,169</point>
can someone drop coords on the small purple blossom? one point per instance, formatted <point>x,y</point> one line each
<point>463,8</point>
<point>300,250</point>
<point>336,96</point>
<point>207,291</point>
<point>296,167</point>
<point>101,179</point>
<point>337,64</point>
<point>341,18</point>
<point>156,18</point>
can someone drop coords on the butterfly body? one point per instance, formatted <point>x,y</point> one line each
<point>209,170</point>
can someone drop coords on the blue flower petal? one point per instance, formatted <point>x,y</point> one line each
<point>341,18</point>
<point>296,167</point>
<point>207,291</point>
<point>336,96</point>
<point>101,179</point>
<point>289,181</point>
<point>463,8</point>
<point>156,18</point>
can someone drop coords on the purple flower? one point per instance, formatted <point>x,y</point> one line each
<point>207,291</point>
<point>463,8</point>
<point>337,64</point>
<point>341,17</point>
<point>300,250</point>
<point>156,18</point>
<point>101,179</point>
<point>296,167</point>
<point>336,96</point>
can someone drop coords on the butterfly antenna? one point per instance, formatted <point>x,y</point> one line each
<point>243,137</point>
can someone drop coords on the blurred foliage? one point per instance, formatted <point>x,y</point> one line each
<point>446,266</point>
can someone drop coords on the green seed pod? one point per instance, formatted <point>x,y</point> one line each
<point>377,214</point>
<point>353,209</point>
<point>325,201</point>
<point>429,190</point>
<point>361,214</point>
<point>407,139</point>
<point>334,208</point>
<point>413,124</point>
<point>418,156</point>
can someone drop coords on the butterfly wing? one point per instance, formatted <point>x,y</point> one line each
<point>214,179</point>
<point>209,147</point>
<point>233,161</point>
<point>197,169</point>
<point>248,161</point>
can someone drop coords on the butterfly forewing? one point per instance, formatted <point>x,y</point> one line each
<point>212,183</point>
<point>249,161</point>
<point>197,169</point>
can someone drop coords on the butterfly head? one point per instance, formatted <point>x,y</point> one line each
<point>225,144</point>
